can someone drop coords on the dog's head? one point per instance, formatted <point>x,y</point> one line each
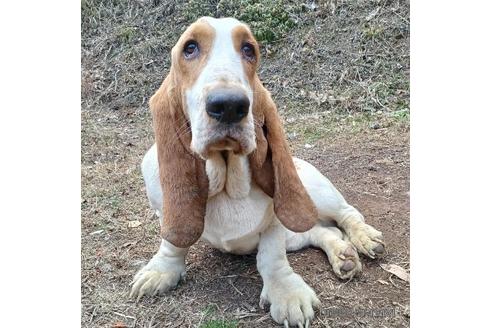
<point>212,101</point>
<point>213,69</point>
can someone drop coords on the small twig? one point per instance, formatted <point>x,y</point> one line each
<point>401,17</point>
<point>125,316</point>
<point>107,52</point>
<point>116,80</point>
<point>92,314</point>
<point>237,290</point>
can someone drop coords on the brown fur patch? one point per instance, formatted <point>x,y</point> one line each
<point>241,35</point>
<point>187,71</point>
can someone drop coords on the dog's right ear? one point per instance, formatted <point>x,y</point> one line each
<point>273,169</point>
<point>183,177</point>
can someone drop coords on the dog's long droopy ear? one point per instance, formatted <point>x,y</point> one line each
<point>273,168</point>
<point>183,178</point>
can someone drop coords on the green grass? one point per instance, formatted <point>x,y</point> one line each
<point>372,31</point>
<point>312,133</point>
<point>209,311</point>
<point>126,34</point>
<point>270,20</point>
<point>402,115</point>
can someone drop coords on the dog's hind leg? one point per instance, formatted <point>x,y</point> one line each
<point>341,253</point>
<point>332,207</point>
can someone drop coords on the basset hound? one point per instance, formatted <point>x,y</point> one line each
<point>221,171</point>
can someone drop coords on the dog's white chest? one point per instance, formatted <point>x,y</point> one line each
<point>234,224</point>
<point>237,210</point>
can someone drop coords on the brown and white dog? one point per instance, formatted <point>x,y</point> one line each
<point>221,171</point>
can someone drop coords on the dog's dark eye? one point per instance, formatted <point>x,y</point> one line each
<point>190,49</point>
<point>248,51</point>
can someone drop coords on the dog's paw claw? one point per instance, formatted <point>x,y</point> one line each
<point>152,283</point>
<point>367,240</point>
<point>292,300</point>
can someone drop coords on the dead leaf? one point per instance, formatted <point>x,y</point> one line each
<point>119,324</point>
<point>396,270</point>
<point>134,224</point>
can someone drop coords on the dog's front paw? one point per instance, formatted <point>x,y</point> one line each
<point>292,300</point>
<point>155,279</point>
<point>366,239</point>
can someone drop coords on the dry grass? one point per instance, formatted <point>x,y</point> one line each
<point>356,60</point>
<point>341,82</point>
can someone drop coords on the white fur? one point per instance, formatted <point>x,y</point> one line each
<point>238,184</point>
<point>242,222</point>
<point>162,273</point>
<point>291,299</point>
<point>217,173</point>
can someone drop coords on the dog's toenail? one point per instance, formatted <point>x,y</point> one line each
<point>348,265</point>
<point>379,249</point>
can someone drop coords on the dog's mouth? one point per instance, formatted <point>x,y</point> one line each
<point>226,144</point>
<point>237,140</point>
<point>217,137</point>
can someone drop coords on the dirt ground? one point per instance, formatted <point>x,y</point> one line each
<point>341,82</point>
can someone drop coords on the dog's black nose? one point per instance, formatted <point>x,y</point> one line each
<point>227,106</point>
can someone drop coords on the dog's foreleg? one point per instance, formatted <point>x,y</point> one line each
<point>291,299</point>
<point>162,273</point>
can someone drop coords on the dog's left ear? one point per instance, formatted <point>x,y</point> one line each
<point>273,168</point>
